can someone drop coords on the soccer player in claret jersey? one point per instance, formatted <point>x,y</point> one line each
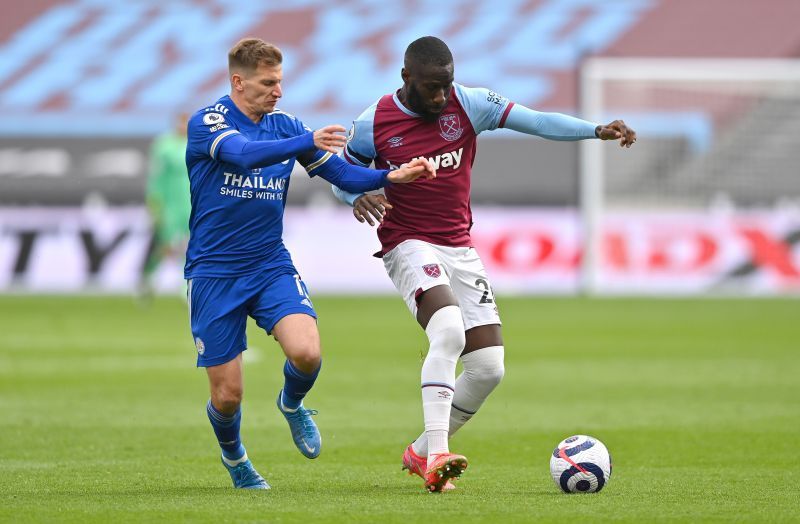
<point>240,153</point>
<point>425,237</point>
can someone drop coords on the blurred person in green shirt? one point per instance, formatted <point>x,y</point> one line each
<point>168,201</point>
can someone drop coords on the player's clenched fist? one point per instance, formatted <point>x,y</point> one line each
<point>330,138</point>
<point>617,130</point>
<point>419,167</point>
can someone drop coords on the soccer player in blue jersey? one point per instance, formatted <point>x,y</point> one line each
<point>240,153</point>
<point>425,238</point>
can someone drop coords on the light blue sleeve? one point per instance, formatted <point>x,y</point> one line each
<point>359,150</point>
<point>344,196</point>
<point>554,126</point>
<point>360,147</point>
<point>484,108</point>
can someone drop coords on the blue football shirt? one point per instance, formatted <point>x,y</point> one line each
<point>236,223</point>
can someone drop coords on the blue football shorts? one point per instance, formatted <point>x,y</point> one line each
<point>219,307</point>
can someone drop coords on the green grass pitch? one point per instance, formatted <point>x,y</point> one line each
<point>698,401</point>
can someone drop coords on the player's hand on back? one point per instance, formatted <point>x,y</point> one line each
<point>366,207</point>
<point>419,167</point>
<point>330,138</point>
<point>617,130</point>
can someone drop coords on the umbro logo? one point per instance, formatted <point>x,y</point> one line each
<point>395,141</point>
<point>445,394</point>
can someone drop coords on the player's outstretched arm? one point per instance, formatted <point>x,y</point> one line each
<point>249,154</point>
<point>357,179</point>
<point>419,167</point>
<point>238,150</point>
<point>552,126</point>
<point>558,126</point>
<point>617,130</point>
<point>350,178</point>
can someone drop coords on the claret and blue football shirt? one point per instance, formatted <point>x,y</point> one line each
<point>438,211</point>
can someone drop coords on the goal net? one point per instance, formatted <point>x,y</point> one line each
<point>718,154</point>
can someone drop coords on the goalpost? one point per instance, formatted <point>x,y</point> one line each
<point>714,136</point>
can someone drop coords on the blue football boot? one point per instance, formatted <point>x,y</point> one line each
<point>245,476</point>
<point>304,432</point>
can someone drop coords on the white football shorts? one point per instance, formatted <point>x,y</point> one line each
<point>416,266</point>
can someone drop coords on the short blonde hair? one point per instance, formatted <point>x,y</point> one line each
<point>249,53</point>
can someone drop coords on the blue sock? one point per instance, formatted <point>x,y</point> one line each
<point>226,427</point>
<point>296,385</point>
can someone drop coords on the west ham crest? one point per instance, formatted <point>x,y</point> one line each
<point>450,126</point>
<point>432,270</point>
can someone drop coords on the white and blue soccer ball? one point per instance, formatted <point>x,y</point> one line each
<point>580,464</point>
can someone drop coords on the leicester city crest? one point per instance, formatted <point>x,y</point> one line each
<point>450,127</point>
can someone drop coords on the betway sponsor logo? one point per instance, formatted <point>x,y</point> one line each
<point>255,182</point>
<point>449,159</point>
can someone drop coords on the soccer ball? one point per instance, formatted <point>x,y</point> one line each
<point>580,464</point>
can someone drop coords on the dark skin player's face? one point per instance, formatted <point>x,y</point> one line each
<point>426,89</point>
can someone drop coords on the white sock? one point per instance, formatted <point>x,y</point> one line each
<point>437,440</point>
<point>483,370</point>
<point>236,462</point>
<point>446,335</point>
